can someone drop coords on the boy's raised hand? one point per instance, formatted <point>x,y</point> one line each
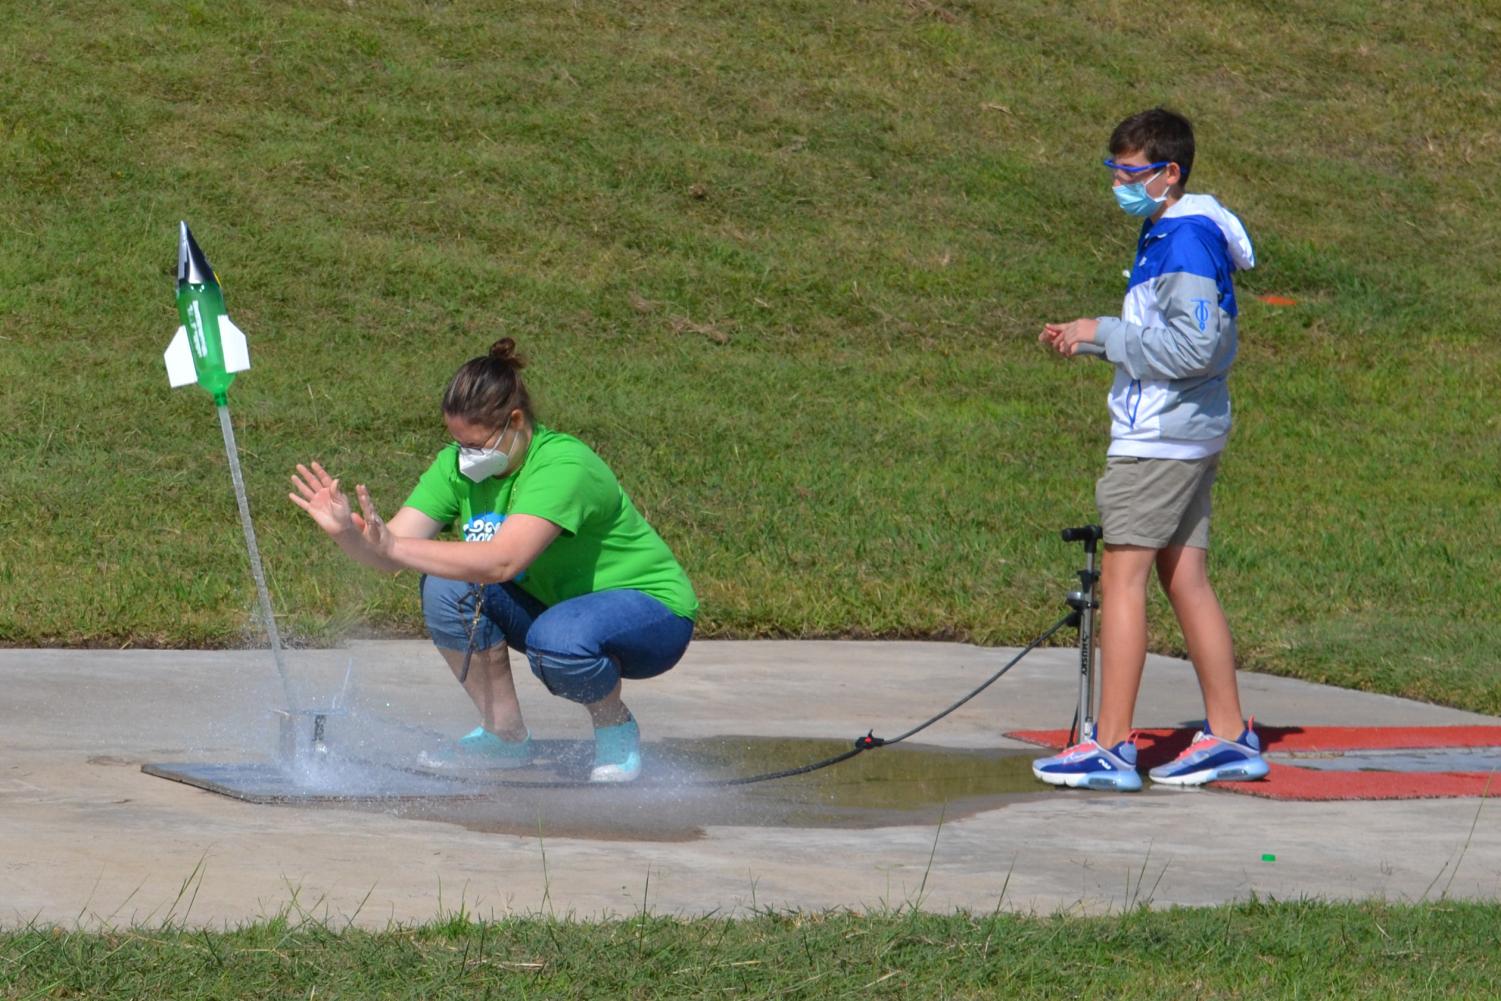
<point>1066,338</point>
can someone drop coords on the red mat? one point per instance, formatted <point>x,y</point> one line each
<point>1285,781</point>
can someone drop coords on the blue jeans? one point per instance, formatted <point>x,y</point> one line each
<point>579,648</point>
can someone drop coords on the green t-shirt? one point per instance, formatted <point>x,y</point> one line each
<point>605,544</point>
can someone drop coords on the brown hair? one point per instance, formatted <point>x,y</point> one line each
<point>485,390</point>
<point>1158,134</point>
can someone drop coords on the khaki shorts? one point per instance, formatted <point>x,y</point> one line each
<point>1156,503</point>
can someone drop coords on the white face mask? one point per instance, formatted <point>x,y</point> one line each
<point>479,464</point>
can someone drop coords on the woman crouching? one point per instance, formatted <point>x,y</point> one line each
<point>554,562</point>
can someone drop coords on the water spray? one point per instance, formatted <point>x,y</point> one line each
<point>302,734</point>
<point>209,349</point>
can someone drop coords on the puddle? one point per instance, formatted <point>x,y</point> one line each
<point>676,798</point>
<point>1427,759</point>
<point>891,786</point>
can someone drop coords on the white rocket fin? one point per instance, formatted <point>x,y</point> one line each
<point>232,342</point>
<point>180,368</point>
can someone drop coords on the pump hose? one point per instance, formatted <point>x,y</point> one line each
<point>870,741</point>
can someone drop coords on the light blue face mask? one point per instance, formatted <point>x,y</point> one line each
<point>1134,200</point>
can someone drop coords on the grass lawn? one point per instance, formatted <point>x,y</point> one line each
<point>1247,951</point>
<point>783,265</point>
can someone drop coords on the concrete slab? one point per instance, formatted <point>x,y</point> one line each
<point>86,837</point>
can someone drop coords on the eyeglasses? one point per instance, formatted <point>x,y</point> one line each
<point>1129,171</point>
<point>490,443</point>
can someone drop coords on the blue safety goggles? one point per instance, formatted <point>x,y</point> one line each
<point>1134,171</point>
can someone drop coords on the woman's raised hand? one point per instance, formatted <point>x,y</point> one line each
<point>377,536</point>
<point>319,495</point>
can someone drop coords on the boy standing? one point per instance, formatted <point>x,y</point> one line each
<point>1172,347</point>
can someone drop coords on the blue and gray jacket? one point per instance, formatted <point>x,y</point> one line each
<point>1175,339</point>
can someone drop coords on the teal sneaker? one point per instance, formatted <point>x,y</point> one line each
<point>617,753</point>
<point>479,749</point>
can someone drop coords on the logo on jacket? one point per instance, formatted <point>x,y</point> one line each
<point>1201,313</point>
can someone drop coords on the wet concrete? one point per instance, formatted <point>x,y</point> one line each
<point>87,838</point>
<point>688,786</point>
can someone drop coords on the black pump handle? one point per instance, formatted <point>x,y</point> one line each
<point>1084,533</point>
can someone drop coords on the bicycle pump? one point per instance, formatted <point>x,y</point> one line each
<point>1084,603</point>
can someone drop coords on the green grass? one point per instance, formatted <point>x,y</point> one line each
<point>783,265</point>
<point>1244,951</point>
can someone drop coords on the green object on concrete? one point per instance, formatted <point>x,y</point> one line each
<point>1268,857</point>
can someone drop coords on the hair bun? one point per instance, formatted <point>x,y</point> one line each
<point>504,350</point>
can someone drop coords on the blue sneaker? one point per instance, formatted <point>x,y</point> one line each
<point>617,753</point>
<point>1215,759</point>
<point>480,749</point>
<point>1090,765</point>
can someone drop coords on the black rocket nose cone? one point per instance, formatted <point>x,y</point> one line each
<point>192,267</point>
